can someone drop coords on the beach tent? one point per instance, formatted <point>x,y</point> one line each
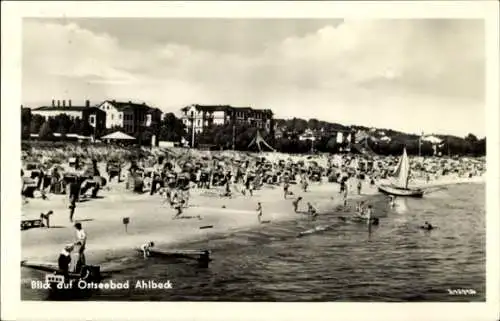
<point>259,140</point>
<point>118,136</point>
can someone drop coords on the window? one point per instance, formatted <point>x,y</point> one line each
<point>120,116</point>
<point>112,117</point>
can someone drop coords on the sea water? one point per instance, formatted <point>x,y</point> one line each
<point>395,261</point>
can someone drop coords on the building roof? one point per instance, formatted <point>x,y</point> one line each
<point>120,105</point>
<point>67,108</point>
<point>213,108</point>
<point>118,135</point>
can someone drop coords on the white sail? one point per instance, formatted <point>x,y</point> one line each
<point>403,171</point>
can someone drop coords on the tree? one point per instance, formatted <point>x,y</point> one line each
<point>76,126</point>
<point>395,147</point>
<point>480,147</point>
<point>313,124</point>
<point>45,131</point>
<point>36,123</point>
<point>471,138</point>
<point>64,123</point>
<point>25,131</point>
<point>331,146</point>
<point>297,125</point>
<point>171,128</point>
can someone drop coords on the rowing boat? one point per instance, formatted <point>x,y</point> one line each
<point>201,256</point>
<point>359,219</point>
<point>316,229</point>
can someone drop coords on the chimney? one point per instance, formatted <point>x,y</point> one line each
<point>53,103</point>
<point>69,102</point>
<point>58,103</point>
<point>87,103</point>
<point>64,103</point>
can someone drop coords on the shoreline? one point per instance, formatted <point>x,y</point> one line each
<point>149,220</point>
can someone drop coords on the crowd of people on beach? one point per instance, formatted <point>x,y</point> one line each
<point>174,173</point>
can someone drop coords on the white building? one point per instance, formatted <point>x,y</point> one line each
<point>128,115</point>
<point>114,117</point>
<point>200,116</point>
<point>307,135</point>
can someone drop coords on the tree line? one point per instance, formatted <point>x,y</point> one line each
<point>170,128</point>
<point>46,127</point>
<point>225,136</point>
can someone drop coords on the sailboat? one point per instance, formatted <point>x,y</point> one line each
<point>400,186</point>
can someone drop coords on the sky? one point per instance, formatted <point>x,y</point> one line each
<point>410,75</point>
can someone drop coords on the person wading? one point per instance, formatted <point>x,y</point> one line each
<point>296,204</point>
<point>312,211</point>
<point>146,247</point>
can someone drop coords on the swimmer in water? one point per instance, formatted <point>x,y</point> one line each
<point>427,226</point>
<point>360,208</point>
<point>392,201</point>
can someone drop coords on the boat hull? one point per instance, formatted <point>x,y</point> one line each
<point>398,191</point>
<point>356,219</point>
<point>201,256</point>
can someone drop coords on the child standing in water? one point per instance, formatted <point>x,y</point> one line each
<point>312,211</point>
<point>259,211</point>
<point>296,204</point>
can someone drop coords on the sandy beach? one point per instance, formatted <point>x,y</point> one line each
<point>150,219</point>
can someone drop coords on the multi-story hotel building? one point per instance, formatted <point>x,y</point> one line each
<point>198,117</point>
<point>130,116</point>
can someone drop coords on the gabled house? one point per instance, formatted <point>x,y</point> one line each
<point>130,116</point>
